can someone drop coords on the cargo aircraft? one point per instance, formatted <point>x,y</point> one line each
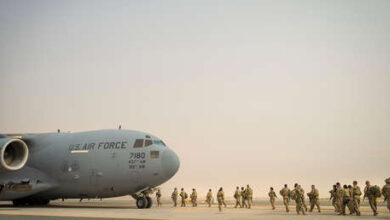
<point>37,168</point>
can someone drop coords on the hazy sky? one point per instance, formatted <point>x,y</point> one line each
<point>259,92</point>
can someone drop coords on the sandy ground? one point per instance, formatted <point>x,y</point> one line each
<point>125,209</point>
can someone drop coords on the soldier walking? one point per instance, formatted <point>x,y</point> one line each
<point>209,197</point>
<point>339,197</point>
<point>297,195</point>
<point>194,197</point>
<point>303,197</point>
<point>356,193</point>
<point>249,196</point>
<point>371,192</point>
<point>174,197</point>
<point>183,196</point>
<point>237,197</point>
<point>314,198</point>
<point>243,198</point>
<point>386,192</point>
<point>350,202</point>
<point>221,198</point>
<point>346,198</point>
<point>285,193</point>
<point>272,196</point>
<point>333,198</point>
<point>158,197</point>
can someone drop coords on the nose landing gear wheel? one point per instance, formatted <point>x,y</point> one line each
<point>149,202</point>
<point>142,202</point>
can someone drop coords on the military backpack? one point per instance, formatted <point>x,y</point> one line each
<point>375,191</point>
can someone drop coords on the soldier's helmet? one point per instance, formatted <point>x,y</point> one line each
<point>387,180</point>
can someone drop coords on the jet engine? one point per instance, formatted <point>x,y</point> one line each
<point>13,154</point>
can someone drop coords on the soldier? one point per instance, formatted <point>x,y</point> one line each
<point>194,197</point>
<point>158,196</point>
<point>314,198</point>
<point>298,197</point>
<point>221,198</point>
<point>339,198</point>
<point>243,198</point>
<point>303,197</point>
<point>209,197</point>
<point>386,192</point>
<point>346,198</point>
<point>333,198</point>
<point>183,196</point>
<point>272,196</point>
<point>174,197</point>
<point>371,193</point>
<point>285,193</point>
<point>356,198</point>
<point>350,202</point>
<point>237,196</point>
<point>249,195</point>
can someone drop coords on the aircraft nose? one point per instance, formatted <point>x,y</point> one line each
<point>170,163</point>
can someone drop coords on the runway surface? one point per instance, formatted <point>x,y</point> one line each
<point>125,209</point>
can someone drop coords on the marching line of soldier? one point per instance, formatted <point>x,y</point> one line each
<point>343,197</point>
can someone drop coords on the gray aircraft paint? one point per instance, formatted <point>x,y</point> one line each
<point>73,165</point>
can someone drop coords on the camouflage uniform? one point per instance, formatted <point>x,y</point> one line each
<point>298,197</point>
<point>339,198</point>
<point>356,192</point>
<point>303,198</point>
<point>333,198</point>
<point>272,196</point>
<point>194,197</point>
<point>221,199</point>
<point>243,197</point>
<point>174,197</point>
<point>372,199</point>
<point>249,195</point>
<point>386,192</point>
<point>209,198</point>
<point>237,196</point>
<point>183,196</point>
<point>314,199</point>
<point>158,196</point>
<point>285,193</point>
<point>346,200</point>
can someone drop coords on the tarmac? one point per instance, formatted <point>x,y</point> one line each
<point>126,209</point>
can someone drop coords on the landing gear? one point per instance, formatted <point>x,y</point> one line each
<point>150,202</point>
<point>143,199</point>
<point>144,202</point>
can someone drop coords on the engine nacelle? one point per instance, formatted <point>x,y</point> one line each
<point>13,154</point>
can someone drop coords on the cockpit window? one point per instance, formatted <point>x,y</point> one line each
<point>158,142</point>
<point>148,143</point>
<point>154,154</point>
<point>138,143</point>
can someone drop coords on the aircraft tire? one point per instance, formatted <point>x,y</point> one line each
<point>142,202</point>
<point>150,202</point>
